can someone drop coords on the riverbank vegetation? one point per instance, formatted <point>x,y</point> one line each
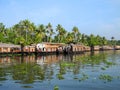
<point>26,32</point>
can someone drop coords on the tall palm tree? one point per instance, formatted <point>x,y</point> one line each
<point>91,41</point>
<point>104,41</point>
<point>112,38</point>
<point>2,28</point>
<point>79,36</point>
<point>75,32</point>
<point>58,31</point>
<point>113,41</point>
<point>69,37</point>
<point>61,33</point>
<point>84,39</point>
<point>2,32</point>
<point>40,33</point>
<point>98,40</point>
<point>50,32</point>
<point>27,28</point>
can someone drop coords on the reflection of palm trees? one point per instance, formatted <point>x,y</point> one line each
<point>28,72</point>
<point>2,74</point>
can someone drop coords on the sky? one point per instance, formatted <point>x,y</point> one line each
<point>98,17</point>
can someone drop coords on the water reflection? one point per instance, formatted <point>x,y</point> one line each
<point>32,69</point>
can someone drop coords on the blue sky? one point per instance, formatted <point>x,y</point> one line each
<point>100,17</point>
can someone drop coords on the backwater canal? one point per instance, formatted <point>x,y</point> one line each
<point>96,71</point>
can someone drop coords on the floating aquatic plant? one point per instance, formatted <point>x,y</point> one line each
<point>2,79</point>
<point>60,76</point>
<point>103,68</point>
<point>67,64</point>
<point>27,86</point>
<point>84,77</point>
<point>105,77</point>
<point>110,63</point>
<point>56,87</point>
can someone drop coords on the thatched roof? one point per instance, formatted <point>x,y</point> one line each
<point>9,45</point>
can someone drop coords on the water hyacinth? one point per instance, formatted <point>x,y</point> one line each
<point>106,78</point>
<point>56,87</point>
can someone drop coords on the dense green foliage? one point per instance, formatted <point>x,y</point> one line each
<point>26,32</point>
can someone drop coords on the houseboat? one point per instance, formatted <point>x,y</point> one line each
<point>75,48</point>
<point>49,47</point>
<point>9,48</point>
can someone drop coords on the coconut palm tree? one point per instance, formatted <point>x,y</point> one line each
<point>49,32</point>
<point>40,34</point>
<point>2,28</point>
<point>69,37</point>
<point>27,28</point>
<point>113,41</point>
<point>75,32</point>
<point>91,41</point>
<point>84,39</point>
<point>79,36</point>
<point>58,29</point>
<point>104,41</point>
<point>61,33</point>
<point>2,32</point>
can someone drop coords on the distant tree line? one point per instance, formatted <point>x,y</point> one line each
<point>26,32</point>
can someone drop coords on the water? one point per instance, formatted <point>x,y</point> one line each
<point>98,71</point>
